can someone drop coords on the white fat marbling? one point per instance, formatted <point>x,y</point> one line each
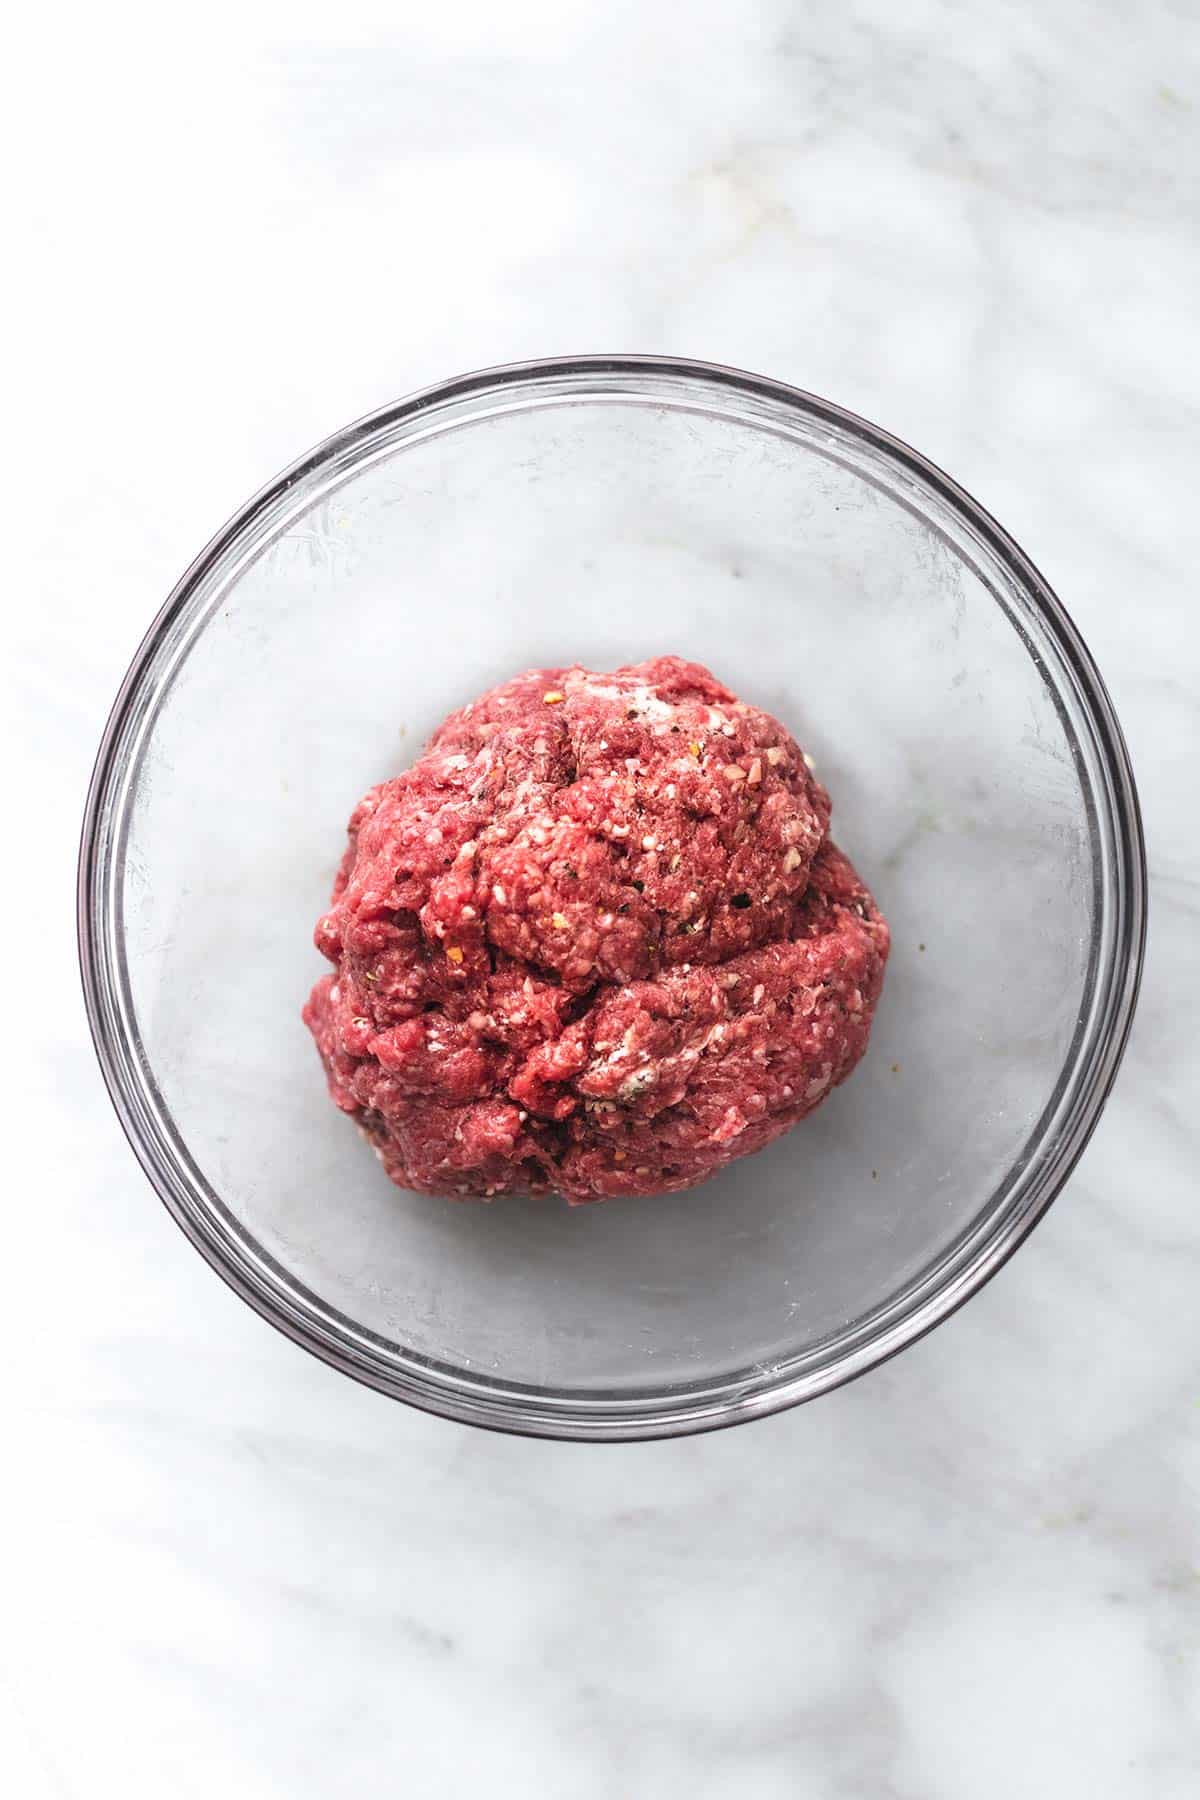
<point>975,1573</point>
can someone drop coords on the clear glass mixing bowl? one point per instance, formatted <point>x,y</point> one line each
<point>601,510</point>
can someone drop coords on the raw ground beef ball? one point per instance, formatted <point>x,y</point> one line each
<point>595,941</point>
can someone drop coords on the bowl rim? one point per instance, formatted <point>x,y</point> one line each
<point>669,1413</point>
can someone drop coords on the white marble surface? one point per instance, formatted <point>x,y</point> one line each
<point>229,1570</point>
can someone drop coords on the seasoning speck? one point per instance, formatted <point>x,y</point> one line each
<point>453,954</point>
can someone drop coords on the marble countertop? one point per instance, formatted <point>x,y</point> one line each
<point>227,1569</point>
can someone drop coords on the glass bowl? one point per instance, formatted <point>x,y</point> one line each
<point>602,510</point>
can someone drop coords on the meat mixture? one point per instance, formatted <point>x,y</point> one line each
<point>596,941</point>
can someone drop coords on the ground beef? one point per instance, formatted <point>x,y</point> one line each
<point>595,941</point>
